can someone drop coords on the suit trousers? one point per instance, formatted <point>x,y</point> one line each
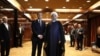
<point>5,48</point>
<point>79,43</point>
<point>36,44</point>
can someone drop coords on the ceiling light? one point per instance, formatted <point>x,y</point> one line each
<point>68,10</point>
<point>60,19</point>
<point>67,0</point>
<point>77,16</point>
<point>46,7</point>
<point>80,20</point>
<point>26,0</point>
<point>64,7</point>
<point>80,7</point>
<point>96,11</point>
<point>66,22</point>
<point>7,9</point>
<point>69,16</point>
<point>30,7</point>
<point>34,9</point>
<point>28,15</point>
<point>46,0</point>
<point>15,4</point>
<point>88,1</point>
<point>97,4</point>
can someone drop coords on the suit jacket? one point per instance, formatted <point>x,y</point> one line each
<point>72,32</point>
<point>37,29</point>
<point>98,40</point>
<point>4,32</point>
<point>22,31</point>
<point>82,32</point>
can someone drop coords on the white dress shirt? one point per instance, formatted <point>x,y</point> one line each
<point>6,25</point>
<point>20,29</point>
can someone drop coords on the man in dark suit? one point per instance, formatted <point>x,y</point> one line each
<point>20,33</point>
<point>72,36</point>
<point>80,33</point>
<point>38,29</point>
<point>4,37</point>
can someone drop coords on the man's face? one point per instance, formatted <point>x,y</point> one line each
<point>5,19</point>
<point>53,16</point>
<point>75,25</point>
<point>39,15</point>
<point>72,27</point>
<point>79,25</point>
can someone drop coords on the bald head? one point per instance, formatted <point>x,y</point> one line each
<point>79,25</point>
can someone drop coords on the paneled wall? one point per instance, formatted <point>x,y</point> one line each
<point>27,32</point>
<point>93,23</point>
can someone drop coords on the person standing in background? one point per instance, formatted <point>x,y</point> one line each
<point>21,32</point>
<point>80,35</point>
<point>98,38</point>
<point>5,37</point>
<point>38,32</point>
<point>1,21</point>
<point>72,36</point>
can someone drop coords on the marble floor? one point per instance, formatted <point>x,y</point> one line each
<point>69,51</point>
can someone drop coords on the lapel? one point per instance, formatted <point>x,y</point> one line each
<point>5,27</point>
<point>39,23</point>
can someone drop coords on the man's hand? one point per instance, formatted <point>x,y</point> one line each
<point>80,33</point>
<point>40,36</point>
<point>59,42</point>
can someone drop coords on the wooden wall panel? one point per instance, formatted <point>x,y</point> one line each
<point>93,23</point>
<point>27,32</point>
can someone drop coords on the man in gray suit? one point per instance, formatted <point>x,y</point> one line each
<point>72,36</point>
<point>80,33</point>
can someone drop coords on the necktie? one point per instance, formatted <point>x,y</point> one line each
<point>40,22</point>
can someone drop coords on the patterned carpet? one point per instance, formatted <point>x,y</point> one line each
<point>70,51</point>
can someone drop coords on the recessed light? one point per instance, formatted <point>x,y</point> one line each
<point>64,7</point>
<point>35,9</point>
<point>26,0</point>
<point>46,7</point>
<point>88,1</point>
<point>46,0</point>
<point>67,0</point>
<point>68,10</point>
<point>30,7</point>
<point>80,7</point>
<point>68,16</point>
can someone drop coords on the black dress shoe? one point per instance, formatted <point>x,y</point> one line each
<point>80,49</point>
<point>73,46</point>
<point>77,48</point>
<point>70,46</point>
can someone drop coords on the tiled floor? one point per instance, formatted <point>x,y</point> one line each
<point>70,51</point>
